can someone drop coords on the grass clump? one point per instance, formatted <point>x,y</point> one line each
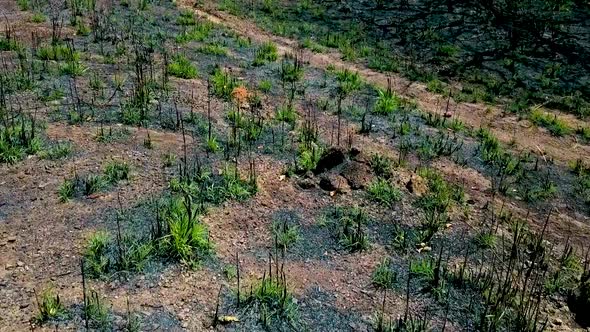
<point>381,165</point>
<point>49,306</point>
<point>265,86</point>
<point>383,192</point>
<point>66,190</point>
<point>272,300</point>
<point>18,140</point>
<point>555,125</point>
<point>384,277</point>
<point>284,234</point>
<point>308,157</point>
<point>423,269</point>
<point>97,311</point>
<point>348,224</point>
<point>93,184</point>
<point>199,32</point>
<point>188,238</point>
<point>116,171</point>
<point>57,151</point>
<point>181,67</point>
<point>186,18</point>
<point>387,102</point>
<point>267,52</point>
<point>223,83</point>
<point>213,49</point>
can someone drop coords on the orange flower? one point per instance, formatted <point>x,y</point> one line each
<point>240,94</point>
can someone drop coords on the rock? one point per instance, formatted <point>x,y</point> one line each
<point>331,182</point>
<point>306,183</point>
<point>330,159</point>
<point>11,239</point>
<point>358,175</point>
<point>557,321</point>
<point>417,185</point>
<point>20,264</point>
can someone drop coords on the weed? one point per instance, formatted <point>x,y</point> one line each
<point>284,234</point>
<point>485,240</point>
<point>181,67</point>
<point>97,312</point>
<point>384,276</point>
<point>423,269</point>
<point>49,306</point>
<point>265,86</point>
<point>383,192</point>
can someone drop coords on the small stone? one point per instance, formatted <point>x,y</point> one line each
<point>20,264</point>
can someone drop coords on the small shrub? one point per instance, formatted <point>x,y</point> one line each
<point>384,192</point>
<point>181,67</point>
<point>286,113</point>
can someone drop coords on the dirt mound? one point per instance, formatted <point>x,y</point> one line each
<point>357,174</point>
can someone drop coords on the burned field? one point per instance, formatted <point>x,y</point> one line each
<point>225,165</point>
